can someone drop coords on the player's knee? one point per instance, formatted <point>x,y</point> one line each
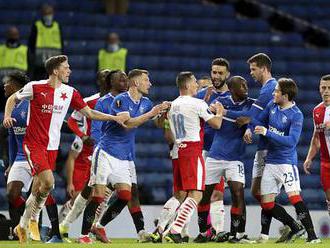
<point>13,194</point>
<point>50,200</point>
<point>268,205</point>
<point>124,195</point>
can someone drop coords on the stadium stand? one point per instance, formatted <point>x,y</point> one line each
<point>166,37</point>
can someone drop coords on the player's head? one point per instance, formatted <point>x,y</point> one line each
<point>140,80</point>
<point>204,82</point>
<point>117,81</point>
<point>260,66</point>
<point>325,89</point>
<point>47,12</point>
<point>14,81</point>
<point>285,91</point>
<point>238,88</point>
<point>187,83</point>
<point>100,80</point>
<point>59,67</point>
<point>220,72</point>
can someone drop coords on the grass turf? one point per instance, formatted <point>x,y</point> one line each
<point>131,243</point>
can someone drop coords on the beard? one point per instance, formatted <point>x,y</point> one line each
<point>218,84</point>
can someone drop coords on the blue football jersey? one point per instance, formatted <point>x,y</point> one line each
<point>228,140</point>
<point>265,96</point>
<point>284,129</point>
<point>116,140</point>
<point>209,131</point>
<point>103,105</point>
<point>17,132</point>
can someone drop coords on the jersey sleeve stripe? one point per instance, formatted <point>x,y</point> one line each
<point>257,106</point>
<point>228,119</point>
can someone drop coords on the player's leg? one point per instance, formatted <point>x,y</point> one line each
<point>217,210</point>
<point>51,207</point>
<point>257,171</point>
<point>270,187</point>
<point>291,184</point>
<point>325,181</point>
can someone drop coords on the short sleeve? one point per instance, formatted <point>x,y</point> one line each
<point>77,145</point>
<point>263,99</point>
<point>149,105</point>
<point>77,101</point>
<point>119,105</point>
<point>204,112</point>
<point>26,92</point>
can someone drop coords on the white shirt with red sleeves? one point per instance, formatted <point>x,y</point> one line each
<point>47,109</point>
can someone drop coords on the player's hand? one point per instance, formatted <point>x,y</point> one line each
<point>209,93</point>
<point>7,171</point>
<point>243,120</point>
<point>70,189</point>
<point>88,140</point>
<point>157,110</point>
<point>166,106</point>
<point>218,107</point>
<point>327,125</point>
<point>121,118</point>
<point>247,137</point>
<point>307,166</point>
<point>260,130</point>
<point>8,122</point>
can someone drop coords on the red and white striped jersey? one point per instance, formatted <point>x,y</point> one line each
<point>47,109</point>
<point>321,115</point>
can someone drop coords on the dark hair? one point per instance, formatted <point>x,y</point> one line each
<point>136,73</point>
<point>262,60</point>
<point>109,78</point>
<point>325,77</point>
<point>234,80</point>
<point>182,78</point>
<point>18,77</point>
<point>288,87</point>
<point>54,62</point>
<point>221,62</point>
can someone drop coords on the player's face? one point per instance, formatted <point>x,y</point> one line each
<point>9,87</point>
<point>325,91</point>
<point>193,86</point>
<point>144,84</point>
<point>63,72</point>
<point>121,82</point>
<point>256,72</point>
<point>279,98</point>
<point>241,91</point>
<point>219,74</point>
<point>203,83</point>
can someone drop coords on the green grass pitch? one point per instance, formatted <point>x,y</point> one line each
<point>131,243</point>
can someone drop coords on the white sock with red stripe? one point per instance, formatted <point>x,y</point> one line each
<point>103,206</point>
<point>33,206</point>
<point>217,213</point>
<point>185,212</point>
<point>168,212</point>
<point>77,208</point>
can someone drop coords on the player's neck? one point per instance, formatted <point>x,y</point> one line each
<point>134,94</point>
<point>266,78</point>
<point>224,88</point>
<point>286,105</point>
<point>54,82</point>
<point>114,92</point>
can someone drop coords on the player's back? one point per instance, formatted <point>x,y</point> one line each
<point>281,122</point>
<point>228,140</point>
<point>117,140</point>
<point>185,119</point>
<point>18,131</point>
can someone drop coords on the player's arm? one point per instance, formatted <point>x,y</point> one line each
<point>289,140</point>
<point>154,112</point>
<point>72,156</point>
<point>314,148</point>
<point>216,121</point>
<point>96,115</point>
<point>74,127</point>
<point>12,146</point>
<point>96,127</point>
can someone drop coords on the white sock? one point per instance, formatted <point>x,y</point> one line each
<point>185,232</point>
<point>185,212</point>
<point>217,213</point>
<point>64,210</point>
<point>33,206</point>
<point>168,212</point>
<point>103,206</point>
<point>77,208</point>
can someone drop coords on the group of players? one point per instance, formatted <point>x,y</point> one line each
<point>214,125</point>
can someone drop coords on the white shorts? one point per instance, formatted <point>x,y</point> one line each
<point>230,170</point>
<point>277,175</point>
<point>21,171</point>
<point>107,169</point>
<point>259,163</point>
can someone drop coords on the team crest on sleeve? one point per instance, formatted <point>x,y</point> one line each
<point>118,103</point>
